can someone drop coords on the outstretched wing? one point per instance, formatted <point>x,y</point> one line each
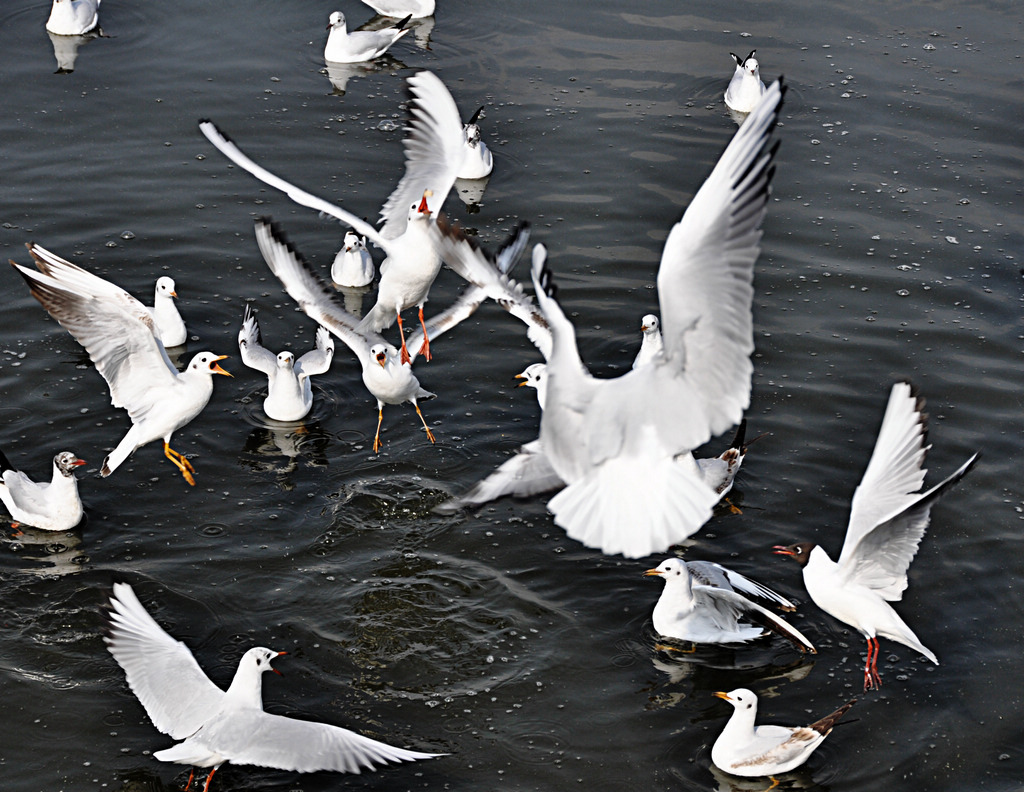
<point>318,360</point>
<point>162,673</point>
<point>705,280</point>
<point>250,345</point>
<point>741,607</point>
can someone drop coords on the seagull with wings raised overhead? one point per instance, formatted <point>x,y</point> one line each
<point>289,381</point>
<point>218,726</point>
<point>388,379</point>
<point>433,155</point>
<point>888,518</point>
<point>120,336</point>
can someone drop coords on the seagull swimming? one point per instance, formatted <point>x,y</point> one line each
<point>704,602</point>
<point>50,506</point>
<point>388,379</point>
<point>745,88</point>
<point>359,45</point>
<point>744,749</point>
<point>218,726</point>
<point>623,446</point>
<point>353,265</point>
<point>165,313</point>
<point>888,518</point>
<point>433,154</point>
<point>73,17</point>
<point>400,8</point>
<point>289,388</point>
<point>478,160</point>
<point>651,343</point>
<point>119,334</point>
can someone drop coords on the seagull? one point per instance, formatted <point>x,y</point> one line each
<point>478,161</point>
<point>218,726</point>
<point>745,88</point>
<point>433,154</point>
<point>353,265</point>
<point>399,8</point>
<point>388,379</point>
<point>535,376</point>
<point>703,602</point>
<point>359,45</point>
<point>170,328</point>
<point>53,506</point>
<point>623,446</point>
<point>289,391</point>
<point>744,749</point>
<point>651,343</point>
<point>165,314</point>
<point>118,333</point>
<point>73,17</point>
<point>888,518</point>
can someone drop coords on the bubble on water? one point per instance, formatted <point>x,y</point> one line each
<point>903,292</point>
<point>953,240</point>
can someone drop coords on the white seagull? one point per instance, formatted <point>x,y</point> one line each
<point>165,313</point>
<point>359,45</point>
<point>73,17</point>
<point>118,333</point>
<point>433,154</point>
<point>388,379</point>
<point>218,726</point>
<point>51,506</point>
<point>400,8</point>
<point>744,749</point>
<point>745,88</point>
<point>703,602</point>
<point>353,265</point>
<point>888,518</point>
<point>623,446</point>
<point>651,343</point>
<point>478,160</point>
<point>289,387</point>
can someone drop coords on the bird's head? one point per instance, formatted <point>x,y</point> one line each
<point>66,463</point>
<point>801,551</point>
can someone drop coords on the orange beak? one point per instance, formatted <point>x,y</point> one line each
<point>217,369</point>
<point>382,359</point>
<point>651,572</point>
<point>174,294</point>
<point>78,462</point>
<point>423,208</point>
<point>722,695</point>
<point>780,550</point>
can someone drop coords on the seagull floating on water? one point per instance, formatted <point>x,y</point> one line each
<point>478,161</point>
<point>704,602</point>
<point>651,343</point>
<point>218,726</point>
<point>353,265</point>
<point>387,378</point>
<point>50,506</point>
<point>888,518</point>
<point>73,17</point>
<point>359,45</point>
<point>165,313</point>
<point>119,334</point>
<point>289,387</point>
<point>433,154</point>
<point>744,749</point>
<point>745,88</point>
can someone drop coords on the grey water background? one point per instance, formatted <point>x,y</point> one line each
<point>892,249</point>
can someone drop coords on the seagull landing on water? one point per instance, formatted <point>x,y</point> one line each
<point>50,506</point>
<point>73,17</point>
<point>888,518</point>
<point>745,88</point>
<point>703,602</point>
<point>433,154</point>
<point>359,45</point>
<point>218,726</point>
<point>289,381</point>
<point>119,334</point>
<point>747,750</point>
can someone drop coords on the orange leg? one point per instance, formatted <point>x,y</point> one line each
<point>430,435</point>
<point>209,778</point>
<point>191,773</point>
<point>376,437</point>
<point>181,463</point>
<point>426,341</point>
<point>405,352</point>
<point>872,679</point>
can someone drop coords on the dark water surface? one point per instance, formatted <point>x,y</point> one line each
<point>892,249</point>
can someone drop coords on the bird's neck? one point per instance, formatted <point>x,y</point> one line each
<point>246,689</point>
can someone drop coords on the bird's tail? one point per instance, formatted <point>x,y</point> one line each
<point>635,510</point>
<point>826,724</point>
<point>376,319</point>
<point>114,459</point>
